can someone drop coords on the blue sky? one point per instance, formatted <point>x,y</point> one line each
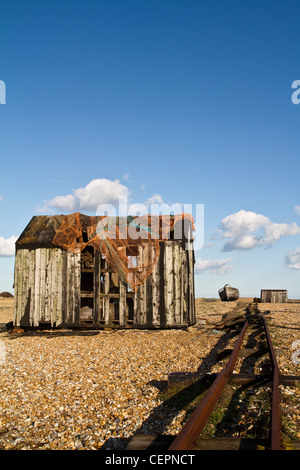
<point>188,100</point>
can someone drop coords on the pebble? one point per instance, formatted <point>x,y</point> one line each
<point>73,392</point>
<point>78,391</point>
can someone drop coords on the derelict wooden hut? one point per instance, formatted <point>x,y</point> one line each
<point>273,295</point>
<point>63,288</point>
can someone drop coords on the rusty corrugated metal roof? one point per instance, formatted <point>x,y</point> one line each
<point>41,229</point>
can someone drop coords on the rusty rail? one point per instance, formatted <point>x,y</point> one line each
<point>275,433</point>
<point>191,431</point>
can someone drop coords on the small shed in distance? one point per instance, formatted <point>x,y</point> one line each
<point>273,295</point>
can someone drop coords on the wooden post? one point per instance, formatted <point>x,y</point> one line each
<point>97,288</point>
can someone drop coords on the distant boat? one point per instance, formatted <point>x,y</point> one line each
<point>228,293</point>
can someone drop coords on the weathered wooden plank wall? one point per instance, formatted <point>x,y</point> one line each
<point>273,296</point>
<point>166,299</point>
<point>47,283</point>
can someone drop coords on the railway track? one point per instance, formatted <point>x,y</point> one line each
<point>190,438</point>
<point>190,435</point>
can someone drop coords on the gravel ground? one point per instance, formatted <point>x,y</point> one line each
<point>96,389</point>
<point>284,326</point>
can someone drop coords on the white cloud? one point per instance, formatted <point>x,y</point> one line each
<point>96,192</point>
<point>100,191</point>
<point>126,177</point>
<point>7,246</point>
<point>64,203</point>
<point>292,260</point>
<point>143,208</point>
<point>96,195</point>
<point>246,230</point>
<point>155,199</point>
<point>216,266</point>
<point>297,209</point>
<point>208,244</point>
<point>275,231</point>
